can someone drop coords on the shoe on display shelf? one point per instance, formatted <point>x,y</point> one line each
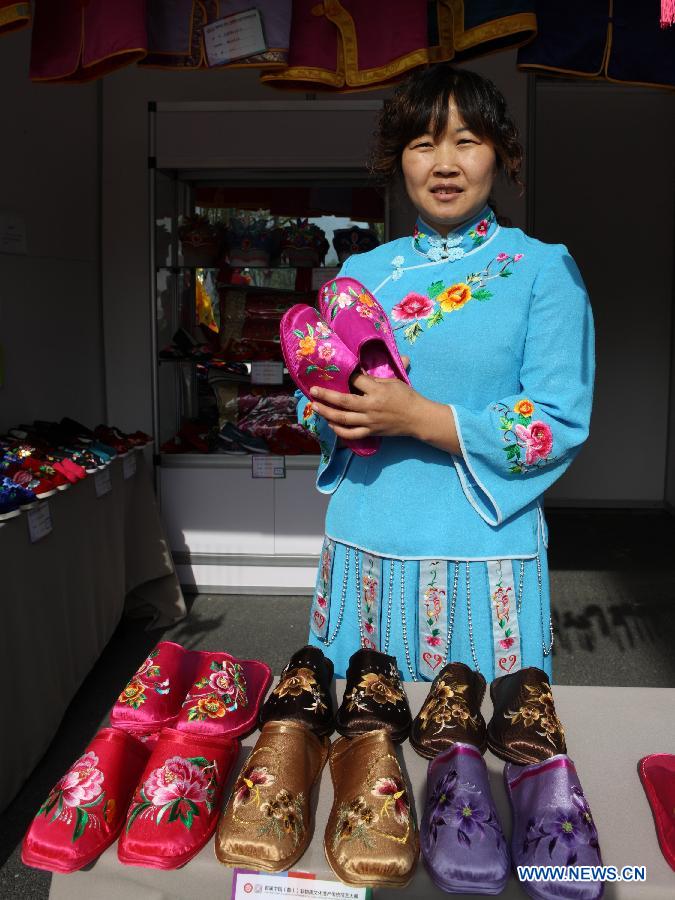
<point>77,428</point>
<point>231,448</point>
<point>230,432</point>
<point>10,504</point>
<point>110,439</point>
<point>41,487</point>
<point>25,498</point>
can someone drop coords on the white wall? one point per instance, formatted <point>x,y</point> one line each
<point>50,322</point>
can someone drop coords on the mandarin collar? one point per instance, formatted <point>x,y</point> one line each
<point>428,242</point>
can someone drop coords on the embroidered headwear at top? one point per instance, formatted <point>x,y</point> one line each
<point>456,243</point>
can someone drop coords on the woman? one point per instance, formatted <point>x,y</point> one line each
<point>435,546</point>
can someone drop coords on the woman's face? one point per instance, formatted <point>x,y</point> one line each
<point>449,180</point>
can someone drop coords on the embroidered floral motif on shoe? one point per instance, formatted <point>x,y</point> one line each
<point>300,680</point>
<point>283,816</point>
<point>440,300</point>
<point>358,820</point>
<point>144,680</point>
<point>538,712</point>
<point>447,708</point>
<point>176,790</point>
<point>247,788</point>
<point>374,687</point>
<point>521,434</point>
<point>317,354</point>
<point>77,794</point>
<point>461,805</point>
<point>226,692</point>
<point>280,815</point>
<point>568,827</point>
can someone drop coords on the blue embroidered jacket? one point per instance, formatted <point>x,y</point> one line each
<point>498,326</point>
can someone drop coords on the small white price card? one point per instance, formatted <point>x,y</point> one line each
<point>234,37</point>
<point>267,372</point>
<point>129,465</point>
<point>12,234</point>
<point>264,466</point>
<point>260,885</point>
<point>322,275</point>
<point>39,522</point>
<point>102,483</point>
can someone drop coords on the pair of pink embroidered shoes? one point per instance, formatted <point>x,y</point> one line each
<point>349,332</point>
<point>157,777</point>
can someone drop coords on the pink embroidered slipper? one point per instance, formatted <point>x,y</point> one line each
<point>177,802</point>
<point>225,696</point>
<point>352,311</point>
<point>85,810</point>
<point>153,696</point>
<point>316,357</point>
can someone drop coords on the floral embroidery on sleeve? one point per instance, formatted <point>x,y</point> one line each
<point>310,424</point>
<point>524,437</point>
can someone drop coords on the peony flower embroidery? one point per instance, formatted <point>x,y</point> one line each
<point>176,790</point>
<point>77,793</point>
<point>537,440</point>
<point>413,306</point>
<point>326,352</point>
<point>380,688</point>
<point>295,682</point>
<point>145,679</point>
<point>226,692</point>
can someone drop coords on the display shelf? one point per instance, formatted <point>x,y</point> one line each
<point>308,461</point>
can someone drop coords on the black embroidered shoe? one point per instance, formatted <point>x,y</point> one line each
<point>303,693</point>
<point>374,697</point>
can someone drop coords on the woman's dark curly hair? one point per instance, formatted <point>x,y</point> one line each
<point>420,106</point>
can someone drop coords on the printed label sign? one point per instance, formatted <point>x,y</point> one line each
<point>264,466</point>
<point>295,887</point>
<point>39,522</point>
<point>234,37</point>
<point>129,466</point>
<point>102,483</point>
<point>267,372</point>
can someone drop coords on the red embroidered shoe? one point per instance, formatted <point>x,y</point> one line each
<point>153,696</point>
<point>317,357</point>
<point>177,803</point>
<point>85,810</point>
<point>225,696</point>
<point>352,311</point>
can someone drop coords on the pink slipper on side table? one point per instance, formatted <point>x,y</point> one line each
<point>357,317</point>
<point>317,357</point>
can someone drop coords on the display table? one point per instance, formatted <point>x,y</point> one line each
<point>63,596</point>
<point>601,741</point>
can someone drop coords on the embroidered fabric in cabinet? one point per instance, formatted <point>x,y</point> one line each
<point>522,435</point>
<point>505,629</point>
<point>451,712</point>
<point>370,836</point>
<point>432,616</point>
<point>267,821</point>
<point>318,616</point>
<point>417,313</point>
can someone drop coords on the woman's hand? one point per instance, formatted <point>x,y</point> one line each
<point>386,407</point>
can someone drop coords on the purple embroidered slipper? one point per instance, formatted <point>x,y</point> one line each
<point>316,357</point>
<point>552,826</point>
<point>461,837</point>
<point>363,325</point>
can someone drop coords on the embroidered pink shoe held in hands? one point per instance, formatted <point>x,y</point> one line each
<point>85,810</point>
<point>317,357</point>
<point>352,311</point>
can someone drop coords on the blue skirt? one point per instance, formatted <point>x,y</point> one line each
<point>494,616</point>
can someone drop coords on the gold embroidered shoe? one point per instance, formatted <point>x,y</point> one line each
<point>524,727</point>
<point>303,692</point>
<point>267,823</point>
<point>451,713</point>
<point>374,697</point>
<point>371,838</point>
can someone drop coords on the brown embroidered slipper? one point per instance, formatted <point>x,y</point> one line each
<point>374,697</point>
<point>371,837</point>
<point>267,823</point>
<point>524,727</point>
<point>451,713</point>
<point>303,693</point>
